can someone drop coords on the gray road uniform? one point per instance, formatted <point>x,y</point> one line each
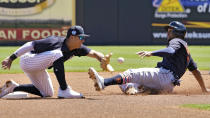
<point>167,74</point>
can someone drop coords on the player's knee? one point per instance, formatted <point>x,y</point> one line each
<point>127,72</point>
<point>58,53</point>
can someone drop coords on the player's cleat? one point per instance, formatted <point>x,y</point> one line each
<point>99,81</point>
<point>8,88</point>
<point>69,93</point>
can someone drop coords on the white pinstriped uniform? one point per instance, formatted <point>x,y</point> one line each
<point>36,56</point>
<point>35,65</point>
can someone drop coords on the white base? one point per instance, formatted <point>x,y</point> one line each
<point>16,95</point>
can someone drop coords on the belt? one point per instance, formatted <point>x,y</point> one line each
<point>176,81</point>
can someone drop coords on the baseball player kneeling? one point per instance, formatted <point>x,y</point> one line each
<point>51,52</point>
<point>167,74</point>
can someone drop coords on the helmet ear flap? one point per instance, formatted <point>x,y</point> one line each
<point>179,34</point>
<point>175,32</point>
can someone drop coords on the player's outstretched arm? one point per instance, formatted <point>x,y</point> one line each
<point>161,53</point>
<point>103,59</point>
<point>143,54</point>
<point>96,54</point>
<point>199,78</point>
<point>7,62</point>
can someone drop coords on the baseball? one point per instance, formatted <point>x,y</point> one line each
<point>120,60</point>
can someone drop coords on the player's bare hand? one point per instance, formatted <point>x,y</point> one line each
<point>6,63</point>
<point>143,54</point>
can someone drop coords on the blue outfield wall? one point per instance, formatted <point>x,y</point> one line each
<point>109,22</point>
<point>141,22</point>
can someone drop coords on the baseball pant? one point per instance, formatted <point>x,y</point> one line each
<point>155,78</point>
<point>35,65</point>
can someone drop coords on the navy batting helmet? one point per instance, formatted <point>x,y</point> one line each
<point>178,28</point>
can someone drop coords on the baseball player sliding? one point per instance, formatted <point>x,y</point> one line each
<point>36,56</point>
<point>167,74</point>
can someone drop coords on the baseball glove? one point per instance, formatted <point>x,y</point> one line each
<point>105,63</point>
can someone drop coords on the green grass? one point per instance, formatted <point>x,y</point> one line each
<point>201,55</point>
<point>197,106</point>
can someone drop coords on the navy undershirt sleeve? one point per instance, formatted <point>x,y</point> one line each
<point>164,52</point>
<point>58,67</point>
<point>82,51</point>
<point>169,51</point>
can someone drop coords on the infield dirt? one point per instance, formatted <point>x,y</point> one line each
<point>110,103</point>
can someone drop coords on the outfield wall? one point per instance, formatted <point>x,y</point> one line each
<point>109,22</point>
<point>141,22</point>
<point>115,22</point>
<point>26,20</point>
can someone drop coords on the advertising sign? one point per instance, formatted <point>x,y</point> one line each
<point>23,7</point>
<point>34,19</point>
<point>30,33</point>
<point>195,14</point>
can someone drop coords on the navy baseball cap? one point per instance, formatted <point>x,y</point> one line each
<point>76,31</point>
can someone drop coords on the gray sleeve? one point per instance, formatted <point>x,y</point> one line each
<point>175,44</point>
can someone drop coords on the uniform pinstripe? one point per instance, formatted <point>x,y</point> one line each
<point>35,65</point>
<point>50,52</point>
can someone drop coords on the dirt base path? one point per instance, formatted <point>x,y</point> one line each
<point>110,103</point>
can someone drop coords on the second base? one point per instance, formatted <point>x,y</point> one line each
<point>16,95</point>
